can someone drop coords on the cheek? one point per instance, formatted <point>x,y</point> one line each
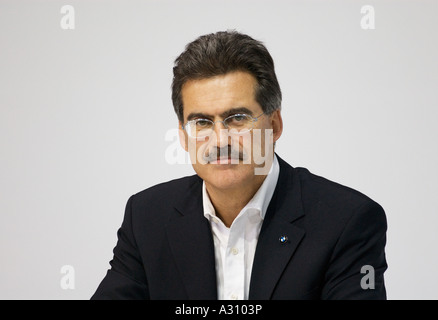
<point>244,142</point>
<point>262,145</point>
<point>196,151</point>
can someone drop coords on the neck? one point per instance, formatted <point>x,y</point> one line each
<point>229,202</point>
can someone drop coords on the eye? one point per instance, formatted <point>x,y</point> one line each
<point>237,120</point>
<point>239,117</point>
<point>203,123</point>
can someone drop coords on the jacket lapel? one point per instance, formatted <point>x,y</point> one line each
<point>273,255</point>
<point>191,243</point>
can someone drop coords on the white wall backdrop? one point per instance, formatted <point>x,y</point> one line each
<point>84,113</point>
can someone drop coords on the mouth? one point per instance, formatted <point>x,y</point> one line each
<point>225,160</point>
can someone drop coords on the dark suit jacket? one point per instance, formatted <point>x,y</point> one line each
<point>165,245</point>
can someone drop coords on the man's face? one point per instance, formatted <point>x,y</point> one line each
<point>215,99</point>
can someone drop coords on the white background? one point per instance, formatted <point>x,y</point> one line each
<point>84,113</point>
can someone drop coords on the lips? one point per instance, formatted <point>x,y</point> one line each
<point>224,160</point>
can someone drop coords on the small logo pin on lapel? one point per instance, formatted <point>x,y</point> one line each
<point>283,239</point>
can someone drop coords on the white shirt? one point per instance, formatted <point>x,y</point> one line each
<point>235,246</point>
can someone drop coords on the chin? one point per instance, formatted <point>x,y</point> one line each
<point>227,176</point>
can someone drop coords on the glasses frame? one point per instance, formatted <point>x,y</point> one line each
<point>253,120</point>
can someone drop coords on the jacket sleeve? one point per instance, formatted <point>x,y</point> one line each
<point>358,261</point>
<point>126,279</point>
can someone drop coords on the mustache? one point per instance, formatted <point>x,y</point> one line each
<point>228,151</point>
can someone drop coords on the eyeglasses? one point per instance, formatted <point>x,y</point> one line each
<point>239,123</point>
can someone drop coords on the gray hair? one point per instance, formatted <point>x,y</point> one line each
<point>223,52</point>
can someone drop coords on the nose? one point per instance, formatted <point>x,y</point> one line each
<point>220,135</point>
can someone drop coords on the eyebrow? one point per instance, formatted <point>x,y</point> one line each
<point>223,115</point>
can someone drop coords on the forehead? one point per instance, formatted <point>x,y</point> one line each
<point>218,94</point>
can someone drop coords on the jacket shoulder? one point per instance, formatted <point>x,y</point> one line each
<point>165,192</point>
<point>332,195</point>
<point>154,204</point>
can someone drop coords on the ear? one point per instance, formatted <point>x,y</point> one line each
<point>277,124</point>
<point>183,139</point>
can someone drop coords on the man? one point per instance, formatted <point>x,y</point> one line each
<point>248,225</point>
